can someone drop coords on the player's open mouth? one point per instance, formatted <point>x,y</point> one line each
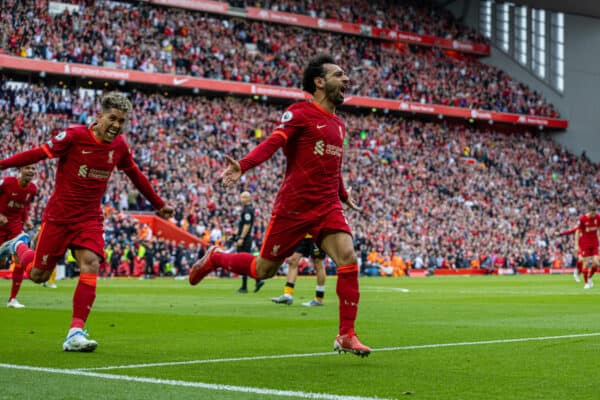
<point>112,132</point>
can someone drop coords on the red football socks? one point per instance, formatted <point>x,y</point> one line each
<point>348,295</point>
<point>25,255</point>
<point>239,263</point>
<point>17,278</point>
<point>83,299</point>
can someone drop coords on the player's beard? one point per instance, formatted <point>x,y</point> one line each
<point>333,94</point>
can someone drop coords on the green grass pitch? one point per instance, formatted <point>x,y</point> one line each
<point>497,337</point>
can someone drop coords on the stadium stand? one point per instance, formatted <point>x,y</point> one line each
<point>175,41</point>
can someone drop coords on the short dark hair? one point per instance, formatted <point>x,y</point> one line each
<point>313,70</point>
<point>116,100</point>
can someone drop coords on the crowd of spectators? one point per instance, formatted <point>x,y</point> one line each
<point>421,17</point>
<point>435,194</point>
<point>176,41</point>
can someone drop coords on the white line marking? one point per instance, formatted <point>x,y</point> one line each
<point>280,356</point>
<point>383,289</point>
<point>201,385</point>
<point>499,341</point>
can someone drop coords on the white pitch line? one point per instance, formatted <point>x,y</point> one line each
<point>200,385</point>
<point>499,341</point>
<point>281,356</point>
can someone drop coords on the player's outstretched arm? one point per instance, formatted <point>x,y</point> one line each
<point>257,156</point>
<point>232,173</point>
<point>25,158</point>
<point>143,185</point>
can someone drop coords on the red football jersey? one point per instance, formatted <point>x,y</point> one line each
<point>15,202</point>
<point>85,165</point>
<point>314,150</point>
<point>588,226</point>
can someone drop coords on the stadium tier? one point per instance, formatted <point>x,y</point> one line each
<point>153,39</point>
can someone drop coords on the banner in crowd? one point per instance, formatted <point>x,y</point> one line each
<point>252,89</point>
<point>198,5</point>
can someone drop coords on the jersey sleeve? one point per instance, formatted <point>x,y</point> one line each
<point>59,144</point>
<point>126,161</point>
<point>292,121</point>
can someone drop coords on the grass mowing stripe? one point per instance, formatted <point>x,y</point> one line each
<point>200,385</point>
<point>280,356</point>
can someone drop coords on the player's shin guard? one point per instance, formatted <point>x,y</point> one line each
<point>238,263</point>
<point>348,295</point>
<point>83,299</point>
<point>17,278</point>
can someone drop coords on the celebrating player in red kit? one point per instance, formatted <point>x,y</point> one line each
<point>16,194</point>
<point>310,198</point>
<point>586,244</point>
<point>73,216</point>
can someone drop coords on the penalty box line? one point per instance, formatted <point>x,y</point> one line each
<point>188,384</point>
<point>329,353</point>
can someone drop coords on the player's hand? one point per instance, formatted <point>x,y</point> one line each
<point>28,225</point>
<point>350,202</point>
<point>232,174</point>
<point>166,212</point>
<point>239,242</point>
<point>3,219</point>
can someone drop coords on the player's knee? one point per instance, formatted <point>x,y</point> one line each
<point>89,264</point>
<point>266,271</point>
<point>347,257</point>
<point>39,276</point>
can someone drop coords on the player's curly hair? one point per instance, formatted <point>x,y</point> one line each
<point>116,100</point>
<point>313,70</point>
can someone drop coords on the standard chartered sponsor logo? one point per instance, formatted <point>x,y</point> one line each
<point>85,172</point>
<point>319,147</point>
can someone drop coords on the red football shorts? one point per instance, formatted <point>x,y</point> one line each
<point>8,232</point>
<point>55,239</point>
<point>283,233</point>
<point>588,251</point>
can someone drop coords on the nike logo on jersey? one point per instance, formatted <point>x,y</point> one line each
<point>86,152</point>
<point>321,126</point>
